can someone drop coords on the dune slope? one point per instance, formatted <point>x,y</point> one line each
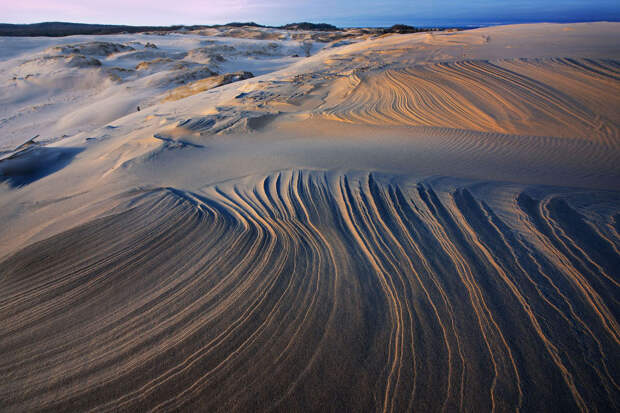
<point>548,97</point>
<point>304,290</point>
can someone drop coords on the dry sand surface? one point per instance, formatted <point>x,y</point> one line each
<point>426,222</point>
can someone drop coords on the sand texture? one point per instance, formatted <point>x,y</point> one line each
<point>421,222</point>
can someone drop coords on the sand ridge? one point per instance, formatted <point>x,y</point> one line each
<point>301,267</point>
<point>505,96</point>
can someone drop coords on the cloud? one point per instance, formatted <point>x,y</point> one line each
<point>164,12</point>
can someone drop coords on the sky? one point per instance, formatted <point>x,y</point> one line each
<point>344,13</point>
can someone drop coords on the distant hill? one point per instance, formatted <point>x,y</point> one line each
<point>238,24</point>
<point>309,26</point>
<point>56,29</point>
<point>403,28</point>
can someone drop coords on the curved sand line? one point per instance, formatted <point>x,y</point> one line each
<point>541,97</point>
<point>317,291</point>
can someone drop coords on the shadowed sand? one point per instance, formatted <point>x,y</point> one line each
<point>425,222</point>
<point>302,290</point>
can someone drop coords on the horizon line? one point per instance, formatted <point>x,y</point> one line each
<point>250,23</point>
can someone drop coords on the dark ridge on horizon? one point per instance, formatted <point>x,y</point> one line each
<point>309,26</point>
<point>59,29</point>
<point>288,26</point>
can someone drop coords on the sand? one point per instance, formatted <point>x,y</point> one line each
<point>425,222</point>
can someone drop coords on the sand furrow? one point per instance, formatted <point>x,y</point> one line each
<point>573,98</point>
<point>314,289</point>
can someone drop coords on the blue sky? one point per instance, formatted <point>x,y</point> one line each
<point>338,12</point>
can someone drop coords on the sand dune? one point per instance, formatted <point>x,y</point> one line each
<point>205,84</point>
<point>355,291</point>
<point>89,81</point>
<point>419,222</point>
<point>549,97</point>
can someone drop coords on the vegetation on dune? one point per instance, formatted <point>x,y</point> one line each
<point>403,28</point>
<point>309,26</point>
<point>58,29</point>
<point>241,24</point>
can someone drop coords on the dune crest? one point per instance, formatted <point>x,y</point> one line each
<point>548,97</point>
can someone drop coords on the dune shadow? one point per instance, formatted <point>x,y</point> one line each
<point>34,163</point>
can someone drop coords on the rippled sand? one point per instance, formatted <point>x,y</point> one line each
<point>411,222</point>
